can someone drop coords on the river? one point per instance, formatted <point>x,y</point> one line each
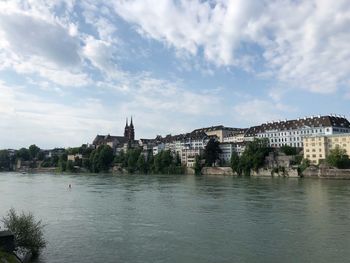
<point>106,218</point>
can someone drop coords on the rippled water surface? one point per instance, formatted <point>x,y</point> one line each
<point>106,218</point>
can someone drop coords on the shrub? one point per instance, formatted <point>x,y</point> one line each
<point>27,231</point>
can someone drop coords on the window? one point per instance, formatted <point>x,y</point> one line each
<point>320,155</point>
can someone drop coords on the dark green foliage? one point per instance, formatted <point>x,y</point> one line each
<point>178,160</point>
<point>86,164</point>
<point>70,166</point>
<point>235,162</point>
<point>62,162</point>
<point>297,160</point>
<point>338,158</point>
<point>28,232</point>
<point>23,154</point>
<point>288,150</point>
<point>197,165</point>
<point>41,156</point>
<point>101,159</point>
<point>305,163</point>
<point>54,161</point>
<point>5,160</point>
<point>211,152</point>
<point>253,156</point>
<point>33,151</point>
<point>141,164</point>
<point>132,157</point>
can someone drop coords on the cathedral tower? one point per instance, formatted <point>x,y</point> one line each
<point>126,129</point>
<point>131,131</point>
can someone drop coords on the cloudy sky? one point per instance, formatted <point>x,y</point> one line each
<point>72,69</point>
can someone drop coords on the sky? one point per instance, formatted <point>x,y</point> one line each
<point>72,69</point>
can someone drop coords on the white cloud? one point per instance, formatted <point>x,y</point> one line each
<point>31,36</point>
<point>26,118</point>
<point>42,46</point>
<point>302,43</point>
<point>257,111</point>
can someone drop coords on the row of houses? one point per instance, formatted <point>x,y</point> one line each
<point>294,133</point>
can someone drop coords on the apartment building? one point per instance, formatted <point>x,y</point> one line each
<point>227,149</point>
<point>292,132</point>
<point>317,148</point>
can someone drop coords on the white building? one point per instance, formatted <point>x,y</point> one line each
<point>158,148</point>
<point>187,145</point>
<point>292,132</point>
<point>236,136</point>
<point>228,148</point>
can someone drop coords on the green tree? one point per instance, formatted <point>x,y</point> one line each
<point>5,161</point>
<point>141,164</point>
<point>41,156</point>
<point>150,163</point>
<point>166,161</point>
<point>211,152</point>
<point>86,163</point>
<point>70,166</point>
<point>54,161</point>
<point>133,156</point>
<point>197,165</point>
<point>253,156</point>
<point>62,162</point>
<point>235,162</point>
<point>27,231</point>
<point>338,158</point>
<point>33,151</point>
<point>288,150</point>
<point>157,164</point>
<point>178,160</point>
<point>23,154</point>
<point>305,163</point>
<point>101,159</point>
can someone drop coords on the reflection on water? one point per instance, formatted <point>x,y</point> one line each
<point>106,218</point>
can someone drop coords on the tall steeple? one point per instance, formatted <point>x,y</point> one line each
<point>131,131</point>
<point>126,130</point>
<point>131,124</point>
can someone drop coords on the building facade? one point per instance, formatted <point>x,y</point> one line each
<point>292,132</point>
<point>317,148</point>
<point>118,143</point>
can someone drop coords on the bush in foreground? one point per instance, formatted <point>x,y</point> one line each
<point>27,231</point>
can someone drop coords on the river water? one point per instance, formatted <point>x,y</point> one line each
<point>105,218</point>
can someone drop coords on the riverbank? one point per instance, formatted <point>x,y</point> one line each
<point>326,173</point>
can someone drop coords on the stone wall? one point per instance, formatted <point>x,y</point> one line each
<point>328,173</point>
<point>217,171</point>
<point>268,172</point>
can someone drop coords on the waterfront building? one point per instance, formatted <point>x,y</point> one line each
<point>228,148</point>
<point>219,131</point>
<point>317,148</point>
<point>188,156</point>
<point>292,132</point>
<point>187,145</point>
<point>158,148</point>
<point>235,136</point>
<point>118,143</point>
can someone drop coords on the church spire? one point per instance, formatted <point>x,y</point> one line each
<point>126,130</point>
<point>131,124</point>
